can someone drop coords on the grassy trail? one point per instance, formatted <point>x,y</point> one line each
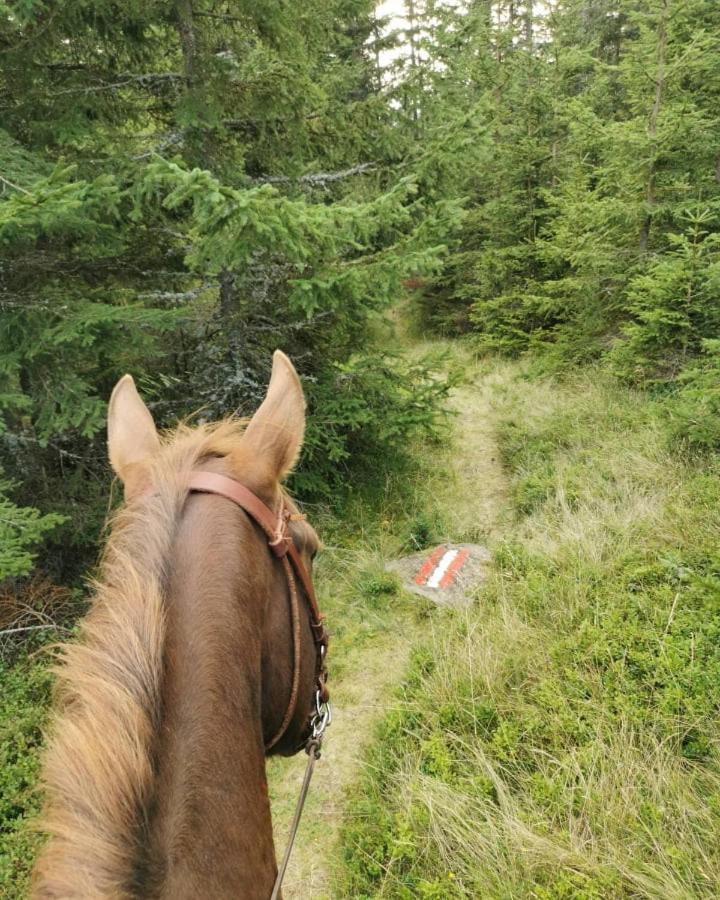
<point>464,486</point>
<point>558,739</point>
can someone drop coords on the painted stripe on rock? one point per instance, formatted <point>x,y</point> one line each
<point>454,568</point>
<point>426,568</point>
<point>441,568</point>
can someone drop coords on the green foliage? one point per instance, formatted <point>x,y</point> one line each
<point>349,256</point>
<point>694,409</point>
<point>422,532</point>
<point>580,139</point>
<point>363,417</point>
<point>25,695</point>
<point>674,304</point>
<point>378,588</point>
<point>21,530</point>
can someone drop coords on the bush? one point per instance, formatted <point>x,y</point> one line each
<point>675,305</point>
<point>363,415</point>
<point>21,530</point>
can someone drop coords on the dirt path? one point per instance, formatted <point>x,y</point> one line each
<point>359,700</point>
<point>477,494</point>
<point>473,499</point>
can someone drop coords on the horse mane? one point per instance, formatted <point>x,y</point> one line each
<point>98,769</point>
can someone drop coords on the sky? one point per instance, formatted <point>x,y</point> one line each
<point>395,11</point>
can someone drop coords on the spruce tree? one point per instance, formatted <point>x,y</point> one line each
<point>185,187</point>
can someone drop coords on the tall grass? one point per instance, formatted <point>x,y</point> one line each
<point>559,738</point>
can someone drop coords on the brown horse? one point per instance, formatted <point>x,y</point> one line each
<point>155,773</point>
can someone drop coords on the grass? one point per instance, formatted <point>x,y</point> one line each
<point>559,738</point>
<point>23,705</point>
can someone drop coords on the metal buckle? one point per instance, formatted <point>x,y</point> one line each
<point>322,717</point>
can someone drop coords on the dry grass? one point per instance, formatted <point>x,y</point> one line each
<point>37,608</point>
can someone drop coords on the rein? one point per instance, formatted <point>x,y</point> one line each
<point>280,542</point>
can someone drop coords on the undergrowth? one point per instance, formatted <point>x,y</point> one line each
<point>559,738</point>
<point>23,705</point>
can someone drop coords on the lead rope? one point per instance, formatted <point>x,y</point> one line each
<point>313,752</point>
<point>322,717</point>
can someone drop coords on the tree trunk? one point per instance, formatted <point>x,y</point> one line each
<point>416,89</point>
<point>186,31</point>
<point>530,180</point>
<point>378,66</point>
<point>650,199</point>
<point>529,25</point>
<point>198,147</point>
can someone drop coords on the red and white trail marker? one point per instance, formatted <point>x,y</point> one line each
<point>440,568</point>
<point>450,574</point>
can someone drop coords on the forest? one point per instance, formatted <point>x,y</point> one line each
<point>515,198</point>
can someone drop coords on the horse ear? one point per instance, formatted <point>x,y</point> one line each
<point>132,436</point>
<point>275,433</point>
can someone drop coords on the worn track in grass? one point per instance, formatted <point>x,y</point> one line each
<point>471,495</point>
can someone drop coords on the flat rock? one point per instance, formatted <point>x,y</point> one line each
<point>449,574</point>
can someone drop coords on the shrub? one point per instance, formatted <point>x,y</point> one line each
<point>363,415</point>
<point>675,304</point>
<point>694,409</point>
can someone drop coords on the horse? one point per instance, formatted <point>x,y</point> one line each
<point>193,664</point>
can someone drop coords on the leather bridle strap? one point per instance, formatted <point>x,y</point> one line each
<point>275,526</point>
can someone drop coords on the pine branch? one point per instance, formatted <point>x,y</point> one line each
<point>177,297</point>
<point>173,139</point>
<point>146,79</point>
<point>222,17</point>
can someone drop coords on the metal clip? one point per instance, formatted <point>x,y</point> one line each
<point>321,718</point>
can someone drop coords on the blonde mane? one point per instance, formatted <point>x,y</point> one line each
<point>99,765</point>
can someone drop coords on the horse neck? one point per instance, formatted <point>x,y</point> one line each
<point>210,832</point>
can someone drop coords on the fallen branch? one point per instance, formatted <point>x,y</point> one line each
<point>316,178</point>
<point>26,628</point>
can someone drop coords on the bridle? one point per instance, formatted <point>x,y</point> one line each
<point>280,542</point>
<point>275,525</point>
